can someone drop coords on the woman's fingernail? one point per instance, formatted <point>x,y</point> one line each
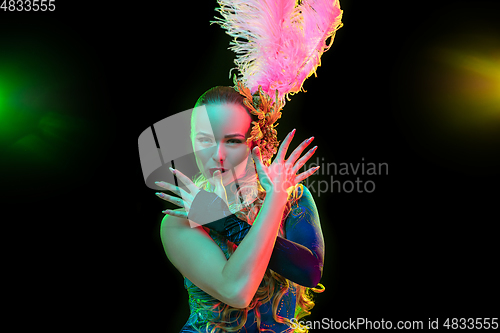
<point>159,194</point>
<point>166,211</point>
<point>310,139</point>
<point>293,131</point>
<point>172,169</point>
<point>314,148</point>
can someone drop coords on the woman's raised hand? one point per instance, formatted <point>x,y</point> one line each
<point>186,198</point>
<point>281,175</point>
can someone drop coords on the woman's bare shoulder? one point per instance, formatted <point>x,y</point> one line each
<point>178,236</point>
<point>194,253</point>
<point>175,227</point>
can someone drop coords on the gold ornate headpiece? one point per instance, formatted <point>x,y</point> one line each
<point>268,112</point>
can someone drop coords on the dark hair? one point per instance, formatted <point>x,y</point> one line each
<point>220,95</point>
<point>225,94</point>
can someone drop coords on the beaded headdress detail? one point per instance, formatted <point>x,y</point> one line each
<point>263,132</point>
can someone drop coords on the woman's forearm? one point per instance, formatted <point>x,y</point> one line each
<point>247,265</point>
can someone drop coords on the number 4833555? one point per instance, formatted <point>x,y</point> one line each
<point>28,5</point>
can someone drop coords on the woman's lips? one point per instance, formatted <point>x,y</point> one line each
<point>212,170</point>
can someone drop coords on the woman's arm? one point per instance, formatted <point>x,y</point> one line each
<point>233,281</point>
<point>248,264</point>
<point>300,256</point>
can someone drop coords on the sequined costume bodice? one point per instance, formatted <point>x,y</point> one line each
<point>199,316</point>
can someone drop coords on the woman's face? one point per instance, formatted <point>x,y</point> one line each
<point>219,140</point>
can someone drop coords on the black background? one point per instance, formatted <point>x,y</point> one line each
<point>85,244</point>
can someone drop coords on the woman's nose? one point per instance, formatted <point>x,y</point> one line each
<point>219,153</point>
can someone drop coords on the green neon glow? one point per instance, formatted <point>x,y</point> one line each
<point>39,126</point>
<point>3,97</point>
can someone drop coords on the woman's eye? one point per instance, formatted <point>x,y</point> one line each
<point>235,141</point>
<point>205,141</point>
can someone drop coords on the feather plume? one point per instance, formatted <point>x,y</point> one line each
<point>278,43</point>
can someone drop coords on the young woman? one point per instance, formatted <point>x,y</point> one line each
<point>248,239</point>
<point>253,269</point>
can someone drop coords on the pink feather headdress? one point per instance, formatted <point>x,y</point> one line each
<point>278,45</point>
